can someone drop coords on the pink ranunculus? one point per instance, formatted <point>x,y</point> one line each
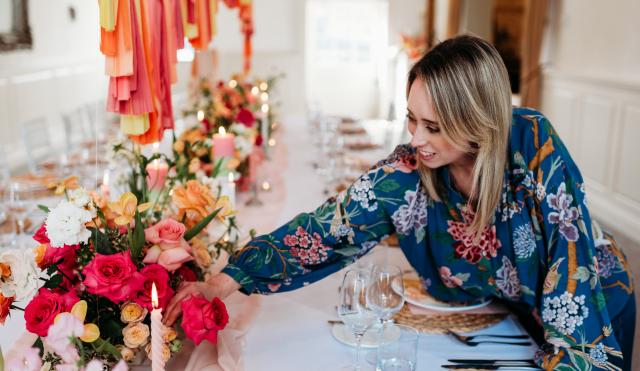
<point>167,234</point>
<point>113,276</point>
<point>44,307</point>
<point>27,359</point>
<point>202,319</point>
<point>154,273</point>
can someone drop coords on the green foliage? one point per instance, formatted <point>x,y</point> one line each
<point>200,226</point>
<point>137,239</point>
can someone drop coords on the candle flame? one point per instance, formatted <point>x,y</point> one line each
<point>105,178</point>
<point>231,178</point>
<point>154,295</point>
<point>221,130</point>
<point>155,146</point>
<point>264,96</point>
<point>264,86</point>
<point>200,115</point>
<point>255,90</point>
<point>233,83</point>
<point>265,108</point>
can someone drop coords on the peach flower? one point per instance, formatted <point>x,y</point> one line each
<point>195,201</point>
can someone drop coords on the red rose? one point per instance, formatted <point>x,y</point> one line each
<point>65,258</point>
<point>259,140</point>
<point>187,274</point>
<point>154,273</point>
<point>202,319</point>
<point>5,306</point>
<point>113,276</point>
<point>245,117</point>
<point>44,307</point>
<point>41,235</point>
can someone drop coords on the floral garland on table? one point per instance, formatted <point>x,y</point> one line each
<point>97,261</point>
<point>237,108</point>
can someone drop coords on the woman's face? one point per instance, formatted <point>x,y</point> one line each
<point>432,148</point>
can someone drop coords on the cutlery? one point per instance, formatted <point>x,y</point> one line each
<point>464,340</point>
<point>466,360</point>
<point>484,366</point>
<point>334,322</point>
<point>469,338</point>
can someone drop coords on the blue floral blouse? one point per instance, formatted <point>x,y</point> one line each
<point>539,253</point>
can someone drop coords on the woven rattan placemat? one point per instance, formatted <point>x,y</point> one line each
<point>441,323</point>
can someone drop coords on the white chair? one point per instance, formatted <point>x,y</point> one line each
<point>76,128</point>
<point>37,141</point>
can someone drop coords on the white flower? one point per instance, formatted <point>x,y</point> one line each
<point>244,145</point>
<point>23,281</point>
<point>216,230</point>
<point>66,224</point>
<point>79,197</point>
<point>565,312</point>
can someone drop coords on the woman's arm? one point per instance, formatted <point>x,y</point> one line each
<point>572,309</point>
<point>312,245</point>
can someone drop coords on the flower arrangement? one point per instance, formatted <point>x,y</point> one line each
<point>239,107</point>
<point>414,45</point>
<point>87,285</point>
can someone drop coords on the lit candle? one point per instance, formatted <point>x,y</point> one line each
<point>266,186</point>
<point>223,145</point>
<point>105,184</point>
<point>156,173</point>
<point>264,86</point>
<point>157,329</point>
<point>233,84</point>
<point>200,115</point>
<point>255,90</point>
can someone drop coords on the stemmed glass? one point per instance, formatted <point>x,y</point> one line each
<point>353,308</point>
<point>385,293</point>
<point>19,206</point>
<point>385,296</point>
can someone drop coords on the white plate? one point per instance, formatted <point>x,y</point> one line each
<point>371,338</point>
<point>427,301</point>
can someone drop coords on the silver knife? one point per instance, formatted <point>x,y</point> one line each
<point>489,366</point>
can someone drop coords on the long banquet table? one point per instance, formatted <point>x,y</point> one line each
<point>290,330</point>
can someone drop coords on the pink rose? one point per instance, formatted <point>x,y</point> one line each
<point>154,273</point>
<point>167,234</point>
<point>44,307</point>
<point>170,249</point>
<point>113,276</point>
<point>202,319</point>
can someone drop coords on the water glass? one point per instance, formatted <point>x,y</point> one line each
<point>400,354</point>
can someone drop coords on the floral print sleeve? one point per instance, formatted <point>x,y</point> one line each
<point>314,245</point>
<point>572,308</point>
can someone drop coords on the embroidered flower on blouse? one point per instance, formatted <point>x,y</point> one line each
<point>413,214</point>
<point>565,312</point>
<point>564,214</point>
<point>598,354</point>
<point>524,242</point>
<point>465,247</point>
<point>308,249</point>
<point>607,261</point>
<point>507,279</point>
<point>362,192</point>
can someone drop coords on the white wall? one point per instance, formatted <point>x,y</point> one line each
<point>63,70</point>
<point>591,93</point>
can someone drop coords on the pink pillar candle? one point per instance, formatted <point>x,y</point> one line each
<point>223,144</point>
<point>156,173</point>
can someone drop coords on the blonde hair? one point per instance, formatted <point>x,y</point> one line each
<point>469,86</point>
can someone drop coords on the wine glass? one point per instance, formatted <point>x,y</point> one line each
<point>385,296</point>
<point>385,293</point>
<point>353,308</point>
<point>19,206</point>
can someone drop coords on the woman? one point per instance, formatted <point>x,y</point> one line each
<point>486,202</point>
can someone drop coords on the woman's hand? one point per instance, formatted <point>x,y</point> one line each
<point>220,285</point>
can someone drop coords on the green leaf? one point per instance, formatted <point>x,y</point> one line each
<point>54,281</point>
<point>191,233</point>
<point>527,291</point>
<point>420,234</point>
<point>137,238</point>
<point>101,345</point>
<point>44,208</point>
<point>582,274</point>
<point>268,256</point>
<point>388,185</point>
<point>216,167</point>
<point>599,301</point>
<point>563,367</point>
<point>579,361</point>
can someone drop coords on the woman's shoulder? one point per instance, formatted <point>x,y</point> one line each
<point>530,129</point>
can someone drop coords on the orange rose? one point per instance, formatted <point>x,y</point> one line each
<point>5,306</point>
<point>196,201</point>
